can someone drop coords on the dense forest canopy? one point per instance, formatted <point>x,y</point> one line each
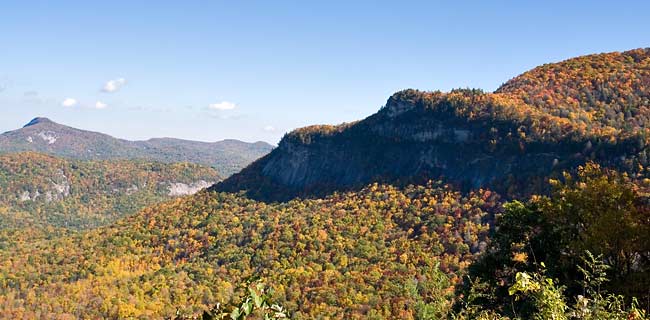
<point>381,252</point>
<point>377,253</point>
<point>599,91</point>
<point>43,190</point>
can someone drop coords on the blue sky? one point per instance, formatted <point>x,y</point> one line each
<point>252,70</point>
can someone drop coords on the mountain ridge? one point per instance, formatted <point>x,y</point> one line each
<point>38,120</point>
<point>508,140</point>
<point>46,136</point>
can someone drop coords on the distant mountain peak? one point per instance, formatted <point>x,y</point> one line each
<point>38,120</point>
<point>46,136</point>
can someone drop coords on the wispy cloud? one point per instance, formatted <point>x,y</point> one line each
<point>100,105</point>
<point>150,109</point>
<point>223,116</point>
<point>32,97</point>
<point>269,128</point>
<point>69,102</point>
<point>114,85</point>
<point>222,106</point>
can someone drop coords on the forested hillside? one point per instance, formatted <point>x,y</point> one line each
<point>380,252</point>
<point>601,91</point>
<point>422,252</point>
<point>43,190</point>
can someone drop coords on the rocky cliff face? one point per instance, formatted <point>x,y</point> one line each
<point>508,140</point>
<point>185,189</point>
<point>403,143</point>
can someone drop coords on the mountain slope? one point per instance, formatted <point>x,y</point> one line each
<point>548,119</point>
<point>598,90</point>
<point>45,136</point>
<point>43,190</point>
<point>376,253</point>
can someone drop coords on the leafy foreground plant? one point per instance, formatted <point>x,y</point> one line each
<point>596,211</point>
<point>255,304</point>
<point>546,299</point>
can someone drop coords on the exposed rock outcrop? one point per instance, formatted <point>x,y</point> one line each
<point>507,140</point>
<point>184,189</point>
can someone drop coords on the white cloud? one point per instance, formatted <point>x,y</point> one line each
<point>269,128</point>
<point>221,106</point>
<point>100,105</point>
<point>114,85</point>
<point>69,102</point>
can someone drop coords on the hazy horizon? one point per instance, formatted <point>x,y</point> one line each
<point>91,129</point>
